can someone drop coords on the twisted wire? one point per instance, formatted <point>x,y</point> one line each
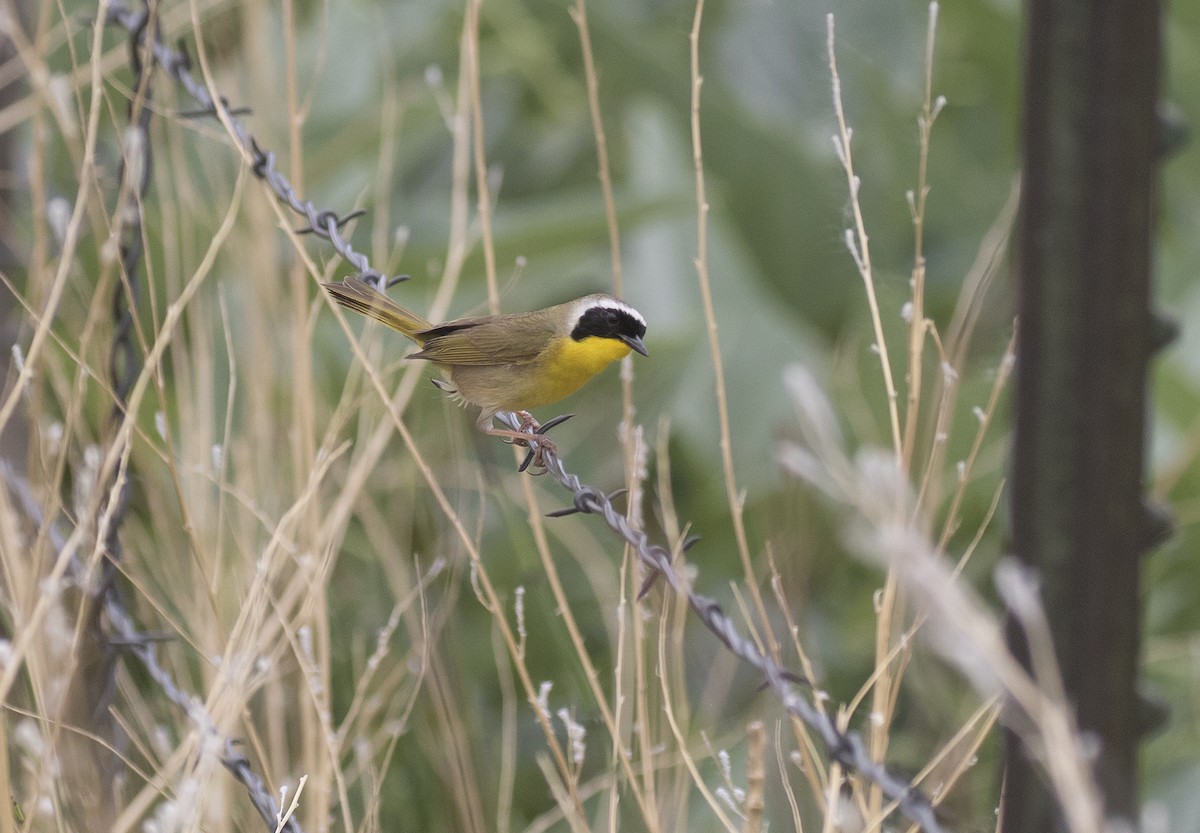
<point>133,641</point>
<point>92,682</point>
<point>125,364</point>
<point>125,360</point>
<point>231,756</point>
<point>321,222</point>
<point>847,748</point>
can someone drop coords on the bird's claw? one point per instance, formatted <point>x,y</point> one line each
<point>540,443</point>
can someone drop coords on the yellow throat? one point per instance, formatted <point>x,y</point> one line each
<point>570,363</point>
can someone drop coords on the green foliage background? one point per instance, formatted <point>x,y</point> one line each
<point>786,291</point>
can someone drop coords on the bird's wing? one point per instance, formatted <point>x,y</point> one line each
<point>484,341</point>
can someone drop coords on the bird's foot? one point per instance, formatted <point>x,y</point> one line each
<point>531,435</point>
<point>544,445</point>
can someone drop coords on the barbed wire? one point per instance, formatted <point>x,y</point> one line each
<point>146,51</point>
<point>132,640</point>
<point>177,63</point>
<point>92,683</point>
<point>125,360</point>
<point>846,748</point>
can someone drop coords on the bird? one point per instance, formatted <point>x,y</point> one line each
<point>514,361</point>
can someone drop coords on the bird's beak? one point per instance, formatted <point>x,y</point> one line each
<point>635,343</point>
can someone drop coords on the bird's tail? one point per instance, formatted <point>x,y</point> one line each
<point>360,296</point>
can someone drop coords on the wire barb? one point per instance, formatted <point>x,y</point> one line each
<point>211,113</point>
<point>581,506</point>
<point>652,578</point>
<point>138,640</point>
<point>330,219</point>
<point>798,679</point>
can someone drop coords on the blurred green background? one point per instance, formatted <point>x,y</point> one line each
<point>785,287</point>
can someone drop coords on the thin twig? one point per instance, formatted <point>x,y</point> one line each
<point>482,186</point>
<point>857,241</point>
<point>710,316</point>
<point>917,324</point>
<point>884,688</point>
<point>630,437</point>
<point>756,776</point>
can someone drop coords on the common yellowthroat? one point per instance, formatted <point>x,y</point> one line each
<point>510,362</point>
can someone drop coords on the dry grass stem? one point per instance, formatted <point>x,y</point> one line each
<point>732,493</point>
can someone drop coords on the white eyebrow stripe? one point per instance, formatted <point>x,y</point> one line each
<point>608,302</point>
